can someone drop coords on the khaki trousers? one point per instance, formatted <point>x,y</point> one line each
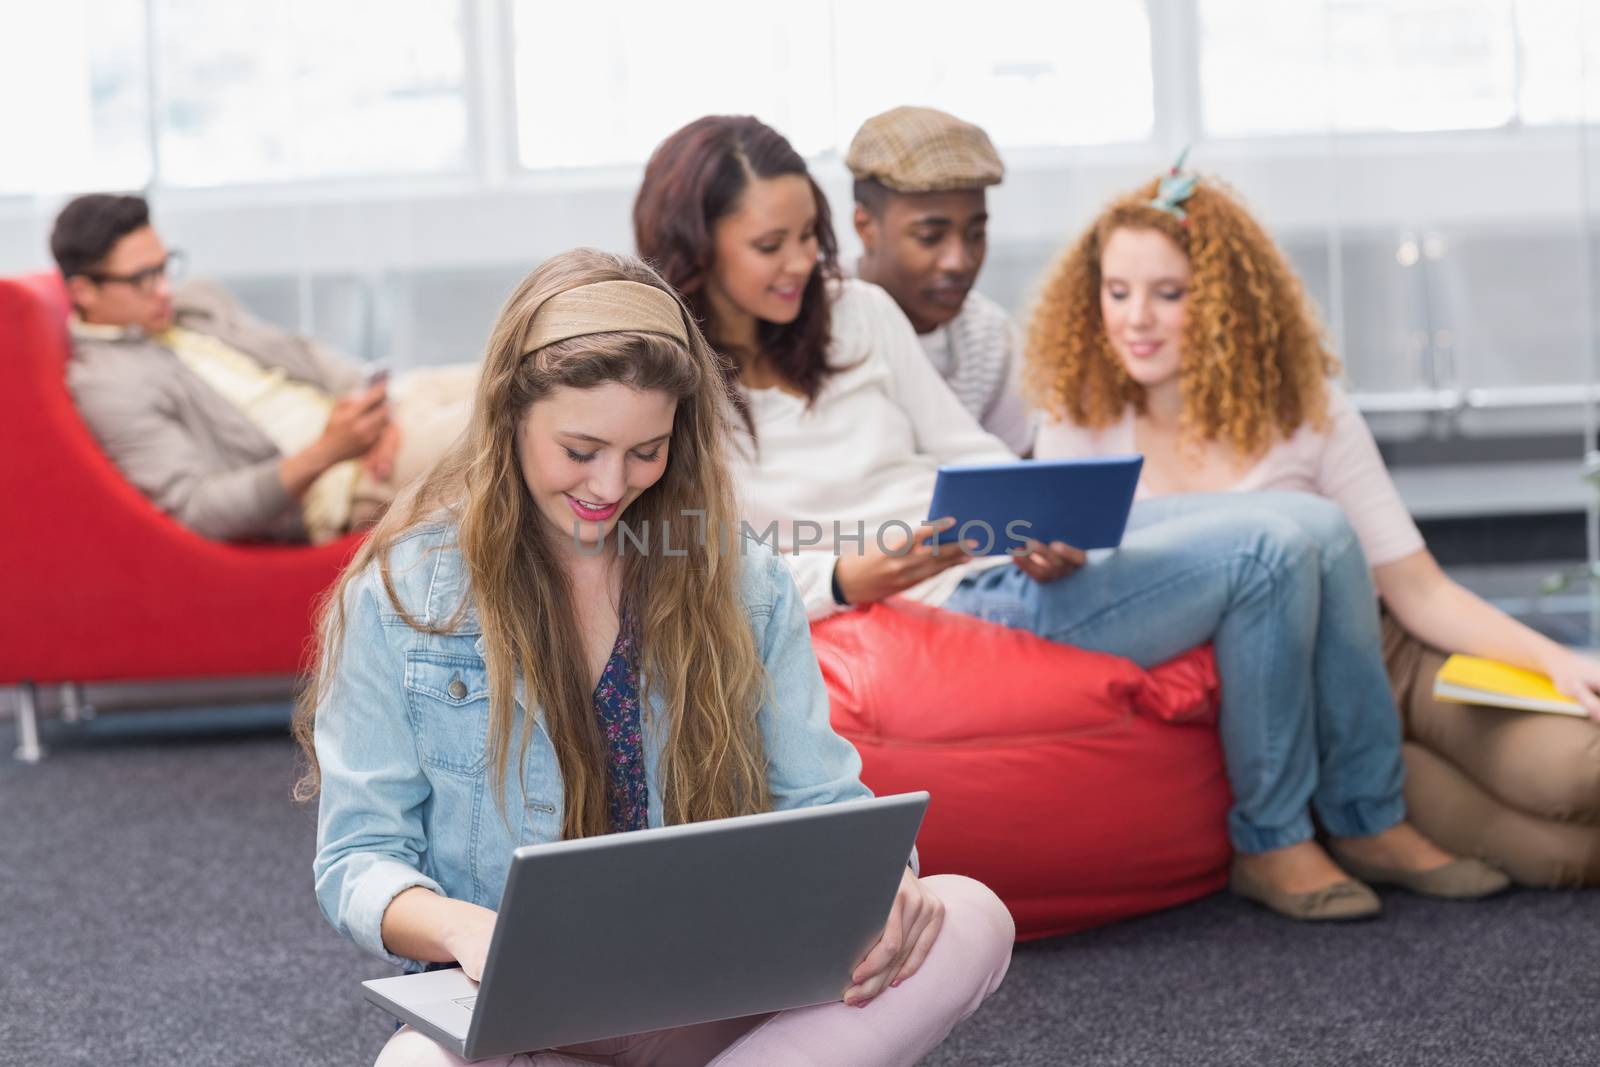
<point>431,405</point>
<point>1519,789</point>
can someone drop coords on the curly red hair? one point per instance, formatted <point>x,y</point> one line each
<point>1255,359</point>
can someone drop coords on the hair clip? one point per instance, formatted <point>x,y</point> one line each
<point>1176,187</point>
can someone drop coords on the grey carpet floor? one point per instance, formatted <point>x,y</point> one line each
<point>155,908</point>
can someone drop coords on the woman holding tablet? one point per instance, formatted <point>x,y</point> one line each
<point>846,424</point>
<point>1174,326</point>
<point>495,672</point>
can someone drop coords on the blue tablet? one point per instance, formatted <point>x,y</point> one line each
<point>1083,502</point>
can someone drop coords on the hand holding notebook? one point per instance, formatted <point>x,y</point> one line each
<point>1473,680</point>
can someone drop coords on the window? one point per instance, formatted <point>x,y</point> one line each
<point>1560,60</point>
<point>73,74</point>
<point>1356,65</point>
<point>602,85</point>
<point>298,89</point>
<point>1403,65</point>
<point>1031,74</point>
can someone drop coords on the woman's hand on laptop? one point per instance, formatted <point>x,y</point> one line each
<point>467,936</point>
<point>880,571</point>
<point>913,926</point>
<point>422,925</point>
<point>1046,563</point>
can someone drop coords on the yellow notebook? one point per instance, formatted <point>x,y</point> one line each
<point>1471,680</point>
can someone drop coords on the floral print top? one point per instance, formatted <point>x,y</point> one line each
<point>616,705</point>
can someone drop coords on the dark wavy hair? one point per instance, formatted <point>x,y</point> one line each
<point>697,176</point>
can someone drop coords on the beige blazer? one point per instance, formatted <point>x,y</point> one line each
<point>192,452</point>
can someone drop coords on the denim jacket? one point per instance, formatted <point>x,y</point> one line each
<point>402,738</point>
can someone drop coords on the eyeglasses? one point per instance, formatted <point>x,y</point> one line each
<point>145,280</point>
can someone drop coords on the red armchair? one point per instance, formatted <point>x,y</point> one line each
<point>102,586</point>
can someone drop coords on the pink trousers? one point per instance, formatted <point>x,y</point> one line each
<point>902,1025</point>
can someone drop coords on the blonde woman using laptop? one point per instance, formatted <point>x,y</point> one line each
<point>1174,327</point>
<point>494,672</point>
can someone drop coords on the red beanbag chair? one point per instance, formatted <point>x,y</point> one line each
<point>1079,787</point>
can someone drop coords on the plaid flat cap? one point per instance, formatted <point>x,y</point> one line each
<point>921,150</point>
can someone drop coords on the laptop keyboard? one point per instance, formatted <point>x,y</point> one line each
<point>466,1002</point>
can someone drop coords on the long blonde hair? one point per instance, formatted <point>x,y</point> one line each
<point>696,650</point>
<point>1255,357</point>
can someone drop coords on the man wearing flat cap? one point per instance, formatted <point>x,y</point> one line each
<point>920,177</point>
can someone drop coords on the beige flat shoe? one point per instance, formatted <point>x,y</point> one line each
<point>1339,902</point>
<point>1462,879</point>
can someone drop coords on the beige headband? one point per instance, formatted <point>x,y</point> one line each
<point>606,307</point>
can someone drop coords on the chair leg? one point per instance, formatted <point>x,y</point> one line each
<point>28,748</point>
<point>73,707</point>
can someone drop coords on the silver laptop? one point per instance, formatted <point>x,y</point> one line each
<point>606,936</point>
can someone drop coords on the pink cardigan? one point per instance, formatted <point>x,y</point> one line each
<point>1341,463</point>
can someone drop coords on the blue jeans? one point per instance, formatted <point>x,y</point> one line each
<point>1278,584</point>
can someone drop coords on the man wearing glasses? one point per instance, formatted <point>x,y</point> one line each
<point>235,428</point>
